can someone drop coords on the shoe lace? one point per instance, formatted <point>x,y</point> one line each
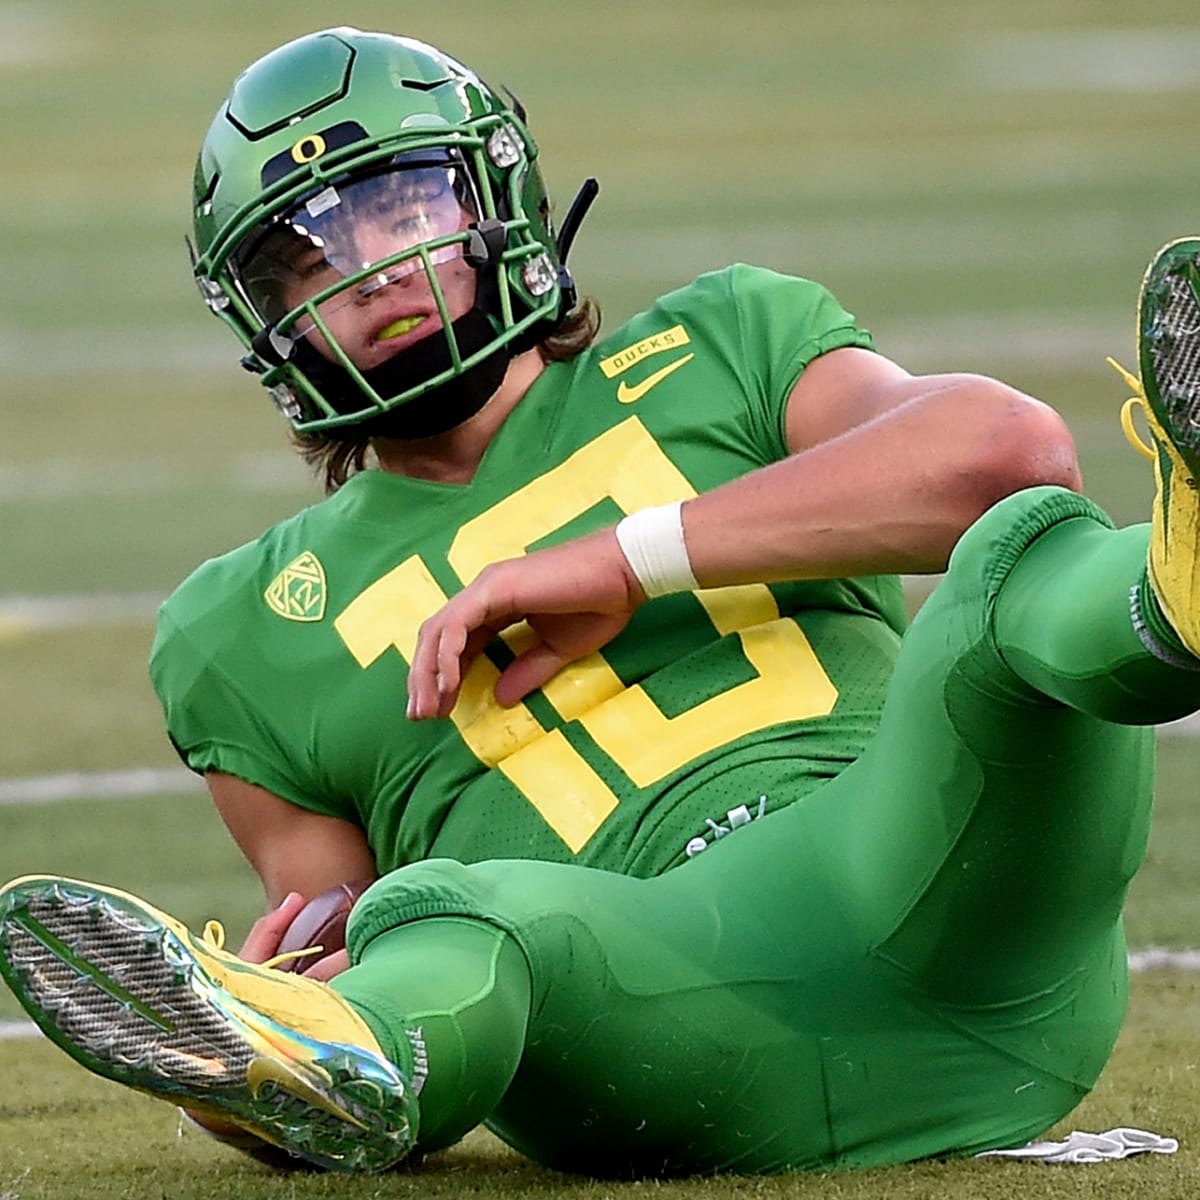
<point>214,936</point>
<point>1137,400</point>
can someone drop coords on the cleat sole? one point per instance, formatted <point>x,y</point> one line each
<point>129,999</point>
<point>1169,345</point>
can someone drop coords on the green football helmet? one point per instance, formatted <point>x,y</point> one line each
<point>344,163</point>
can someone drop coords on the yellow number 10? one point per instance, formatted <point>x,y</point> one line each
<point>627,466</point>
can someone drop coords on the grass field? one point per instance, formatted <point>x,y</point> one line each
<point>981,185</point>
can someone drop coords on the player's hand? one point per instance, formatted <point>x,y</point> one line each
<point>262,942</point>
<point>324,969</point>
<point>576,598</point>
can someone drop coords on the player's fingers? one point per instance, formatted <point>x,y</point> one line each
<point>423,669</point>
<point>450,677</point>
<point>324,969</point>
<point>421,677</point>
<point>263,939</point>
<point>528,673</point>
<point>426,673</point>
<point>450,641</point>
<point>449,665</point>
<point>441,638</point>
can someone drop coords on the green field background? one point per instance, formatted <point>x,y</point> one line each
<point>982,185</point>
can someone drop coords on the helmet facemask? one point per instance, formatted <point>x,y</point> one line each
<point>346,280</point>
<point>359,295</point>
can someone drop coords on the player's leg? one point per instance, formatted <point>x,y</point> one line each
<point>1083,661</point>
<point>999,858</point>
<point>336,1076</point>
<point>451,994</point>
<point>995,823</point>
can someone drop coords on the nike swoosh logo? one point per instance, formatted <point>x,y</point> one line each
<point>628,395</point>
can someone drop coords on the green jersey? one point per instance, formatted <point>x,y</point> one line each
<point>283,663</point>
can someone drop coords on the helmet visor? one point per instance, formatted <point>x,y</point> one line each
<point>348,228</point>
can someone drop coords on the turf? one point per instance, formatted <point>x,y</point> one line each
<point>67,1126</point>
<point>981,184</point>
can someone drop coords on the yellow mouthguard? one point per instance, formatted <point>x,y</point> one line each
<point>396,328</point>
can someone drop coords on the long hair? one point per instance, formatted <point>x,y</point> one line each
<point>335,455</point>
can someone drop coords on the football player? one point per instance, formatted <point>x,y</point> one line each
<point>371,221</point>
<point>633,596</point>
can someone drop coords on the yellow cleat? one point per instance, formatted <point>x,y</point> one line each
<point>1169,394</point>
<point>132,995</point>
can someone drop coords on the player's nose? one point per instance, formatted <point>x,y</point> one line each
<point>401,275</point>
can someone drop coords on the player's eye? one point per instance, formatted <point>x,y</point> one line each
<point>311,268</point>
<point>408,222</point>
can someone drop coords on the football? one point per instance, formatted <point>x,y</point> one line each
<point>321,922</point>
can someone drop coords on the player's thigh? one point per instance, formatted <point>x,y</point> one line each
<point>988,834</point>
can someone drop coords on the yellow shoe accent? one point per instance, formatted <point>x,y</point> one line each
<point>1136,401</point>
<point>1169,394</point>
<point>131,994</point>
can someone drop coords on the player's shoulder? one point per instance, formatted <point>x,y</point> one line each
<point>738,299</point>
<point>741,282</point>
<point>222,585</point>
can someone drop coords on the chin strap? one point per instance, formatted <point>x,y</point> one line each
<point>440,408</point>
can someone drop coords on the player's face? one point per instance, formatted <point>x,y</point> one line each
<point>343,231</point>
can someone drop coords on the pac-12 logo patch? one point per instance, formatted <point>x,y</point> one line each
<point>298,591</point>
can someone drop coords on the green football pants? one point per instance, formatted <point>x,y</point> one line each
<point>924,957</point>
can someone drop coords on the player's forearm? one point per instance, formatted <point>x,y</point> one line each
<point>893,495</point>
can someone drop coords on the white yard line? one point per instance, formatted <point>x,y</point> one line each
<point>20,615</point>
<point>141,782</point>
<point>35,614</point>
<point>131,784</point>
<point>69,478</point>
<point>1153,957</point>
<point>145,782</point>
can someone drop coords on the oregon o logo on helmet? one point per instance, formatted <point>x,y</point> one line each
<point>310,146</point>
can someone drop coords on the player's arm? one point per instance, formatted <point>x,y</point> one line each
<point>886,472</point>
<point>290,848</point>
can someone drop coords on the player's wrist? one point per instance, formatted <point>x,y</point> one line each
<point>654,546</point>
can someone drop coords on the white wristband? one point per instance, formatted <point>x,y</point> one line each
<point>652,541</point>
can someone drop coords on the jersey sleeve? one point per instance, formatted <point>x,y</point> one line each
<point>215,726</point>
<point>769,327</point>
